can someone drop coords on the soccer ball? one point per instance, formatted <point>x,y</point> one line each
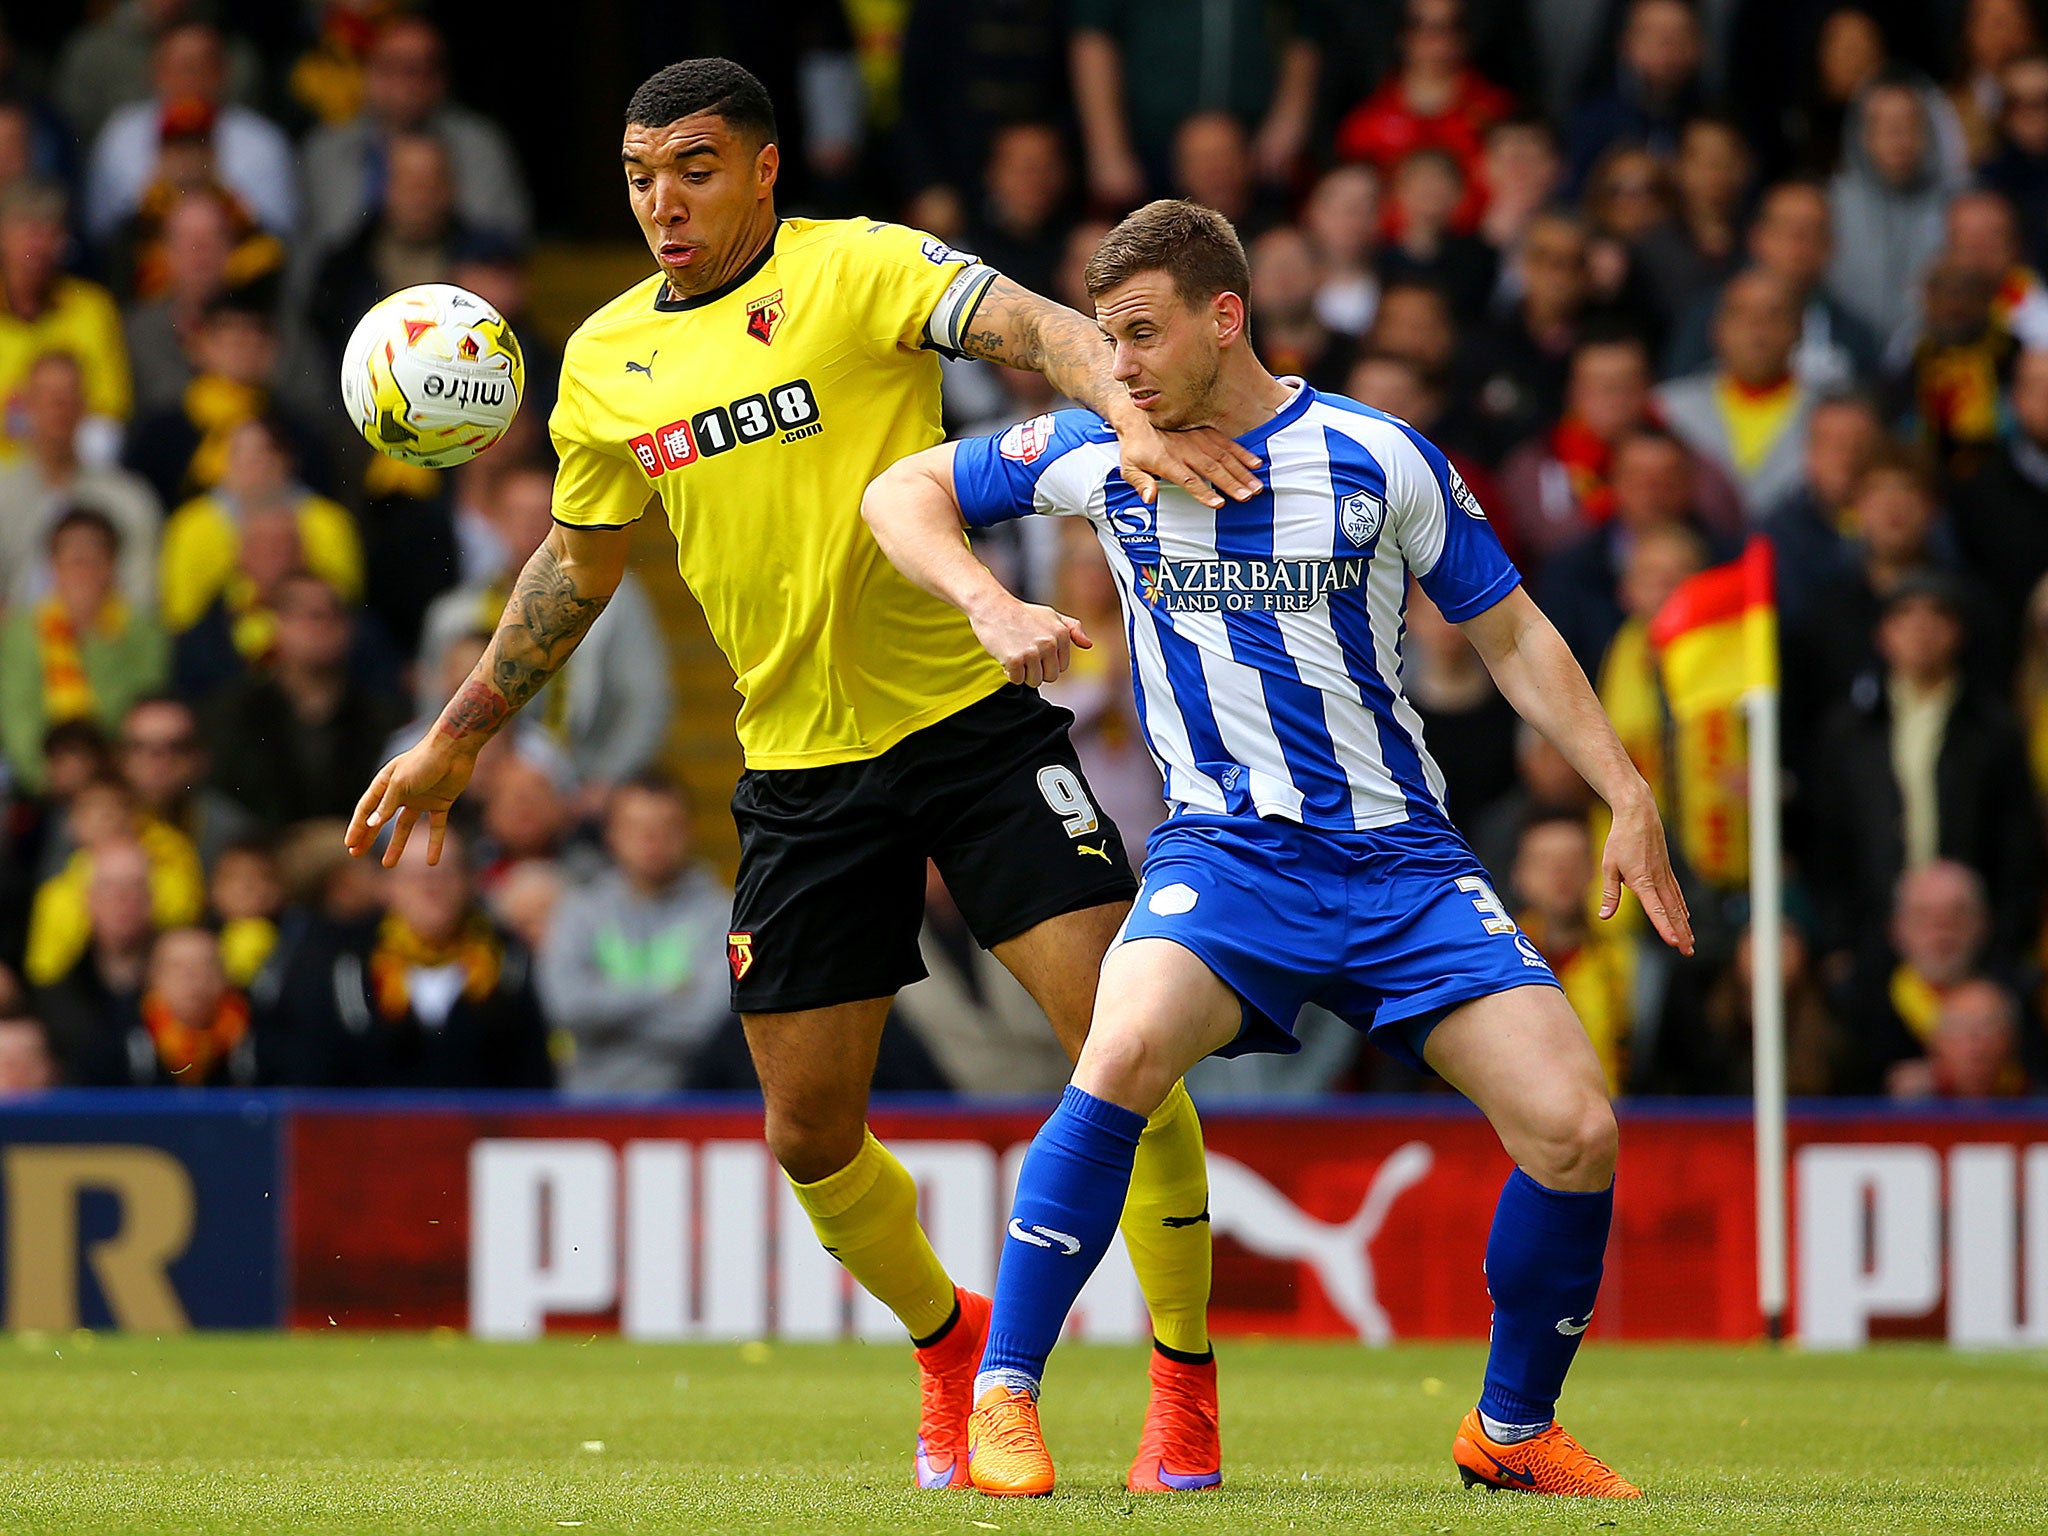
<point>432,375</point>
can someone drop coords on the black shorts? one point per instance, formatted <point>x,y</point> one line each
<point>830,895</point>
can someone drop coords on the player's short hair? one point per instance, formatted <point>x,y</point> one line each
<point>690,86</point>
<point>1193,245</point>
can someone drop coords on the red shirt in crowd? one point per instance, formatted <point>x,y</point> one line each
<point>1384,129</point>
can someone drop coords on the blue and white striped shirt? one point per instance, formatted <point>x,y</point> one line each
<point>1265,638</point>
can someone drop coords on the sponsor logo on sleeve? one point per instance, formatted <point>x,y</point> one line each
<point>1461,493</point>
<point>1027,440</point>
<point>938,253</point>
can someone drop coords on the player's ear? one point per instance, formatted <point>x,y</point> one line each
<point>1226,311</point>
<point>767,166</point>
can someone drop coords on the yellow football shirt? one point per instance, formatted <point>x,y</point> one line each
<point>83,320</point>
<point>758,413</point>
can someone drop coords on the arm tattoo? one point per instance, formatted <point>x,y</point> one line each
<point>543,621</point>
<point>1016,327</point>
<point>477,708</point>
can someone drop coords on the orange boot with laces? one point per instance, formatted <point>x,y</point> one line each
<point>1006,1454</point>
<point>1553,1462</point>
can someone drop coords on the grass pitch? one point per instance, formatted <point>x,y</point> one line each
<point>352,1434</point>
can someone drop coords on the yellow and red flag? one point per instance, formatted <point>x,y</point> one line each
<point>1717,641</point>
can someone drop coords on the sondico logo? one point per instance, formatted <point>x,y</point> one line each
<point>154,1196</point>
<point>1044,1237</point>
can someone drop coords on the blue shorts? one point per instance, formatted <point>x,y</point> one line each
<point>1389,929</point>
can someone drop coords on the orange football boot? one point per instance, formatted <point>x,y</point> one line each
<point>946,1381</point>
<point>1006,1454</point>
<point>1553,1462</point>
<point>1181,1449</point>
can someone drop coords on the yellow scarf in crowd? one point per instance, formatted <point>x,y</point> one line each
<point>245,947</point>
<point>400,950</point>
<point>216,406</point>
<point>251,621</point>
<point>189,1052</point>
<point>1917,1001</point>
<point>67,691</point>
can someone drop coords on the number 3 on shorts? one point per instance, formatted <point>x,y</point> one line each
<point>1069,801</point>
<point>1491,913</point>
<point>1494,918</point>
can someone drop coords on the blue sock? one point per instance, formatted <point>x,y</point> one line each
<point>1070,1193</point>
<point>1543,1263</point>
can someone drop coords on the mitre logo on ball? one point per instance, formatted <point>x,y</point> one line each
<point>432,375</point>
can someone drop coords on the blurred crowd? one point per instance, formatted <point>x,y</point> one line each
<point>1657,275</point>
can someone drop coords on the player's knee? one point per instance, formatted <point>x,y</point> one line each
<point>812,1142</point>
<point>1576,1146</point>
<point>1126,1067</point>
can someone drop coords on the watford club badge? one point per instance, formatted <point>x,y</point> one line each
<point>739,949</point>
<point>763,316</point>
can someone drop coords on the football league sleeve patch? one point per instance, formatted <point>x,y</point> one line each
<point>996,478</point>
<point>916,291</point>
<point>1450,546</point>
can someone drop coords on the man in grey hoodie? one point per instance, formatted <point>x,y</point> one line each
<point>633,970</point>
<point>1889,201</point>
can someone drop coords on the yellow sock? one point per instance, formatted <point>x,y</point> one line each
<point>1166,1224</point>
<point>866,1216</point>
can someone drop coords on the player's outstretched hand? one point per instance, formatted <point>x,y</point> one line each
<point>1636,856</point>
<point>421,782</point>
<point>1201,461</point>
<point>1033,642</point>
